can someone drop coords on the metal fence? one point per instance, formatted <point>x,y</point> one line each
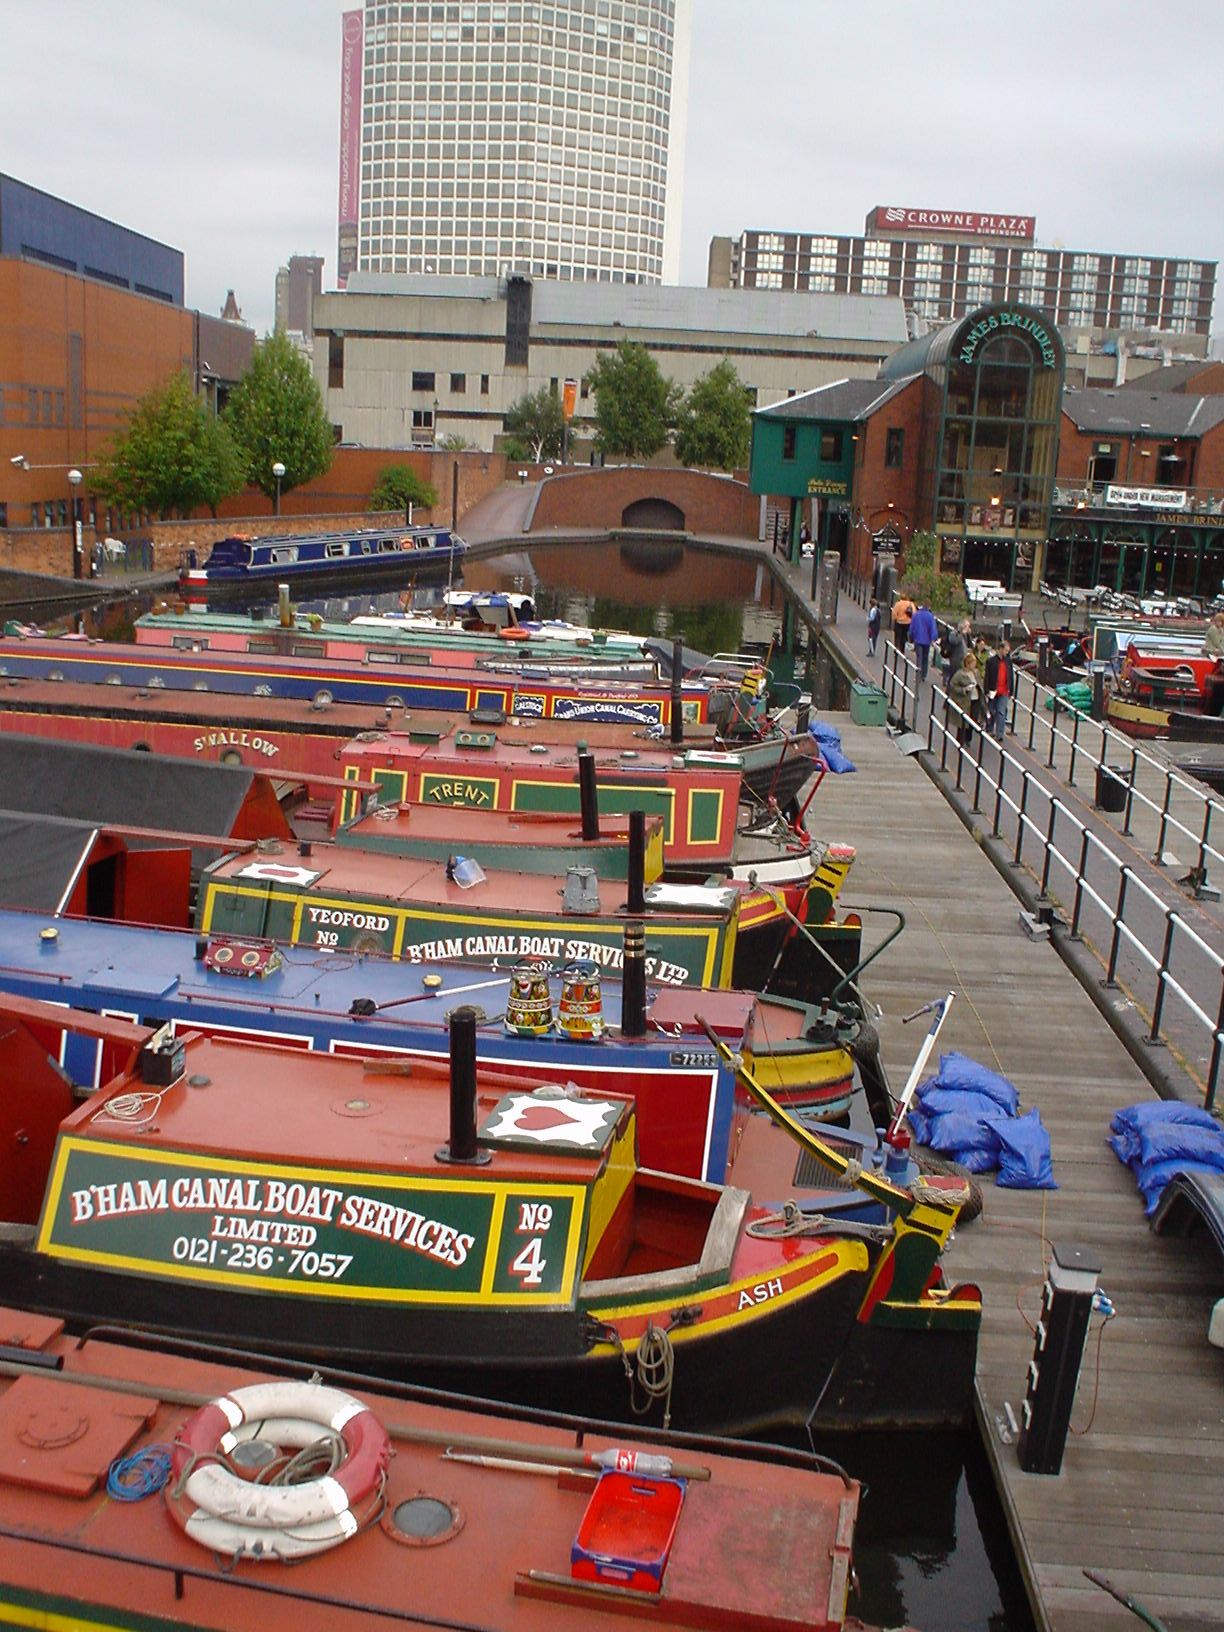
<point>1150,954</point>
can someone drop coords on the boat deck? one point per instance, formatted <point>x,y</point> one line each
<point>1139,1495</point>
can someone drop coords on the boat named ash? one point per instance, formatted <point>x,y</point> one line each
<point>505,1243</point>
<point>374,553</point>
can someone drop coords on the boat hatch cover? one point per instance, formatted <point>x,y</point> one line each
<point>691,897</point>
<point>66,1445</point>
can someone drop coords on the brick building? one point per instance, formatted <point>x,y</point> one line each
<point>91,318</point>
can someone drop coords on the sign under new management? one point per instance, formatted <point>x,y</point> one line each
<point>1148,498</point>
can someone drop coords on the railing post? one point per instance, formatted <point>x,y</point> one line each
<point>1024,790</point>
<point>1032,721</point>
<point>1201,871</point>
<point>1053,739</point>
<point>1074,749</point>
<point>1079,887</point>
<point>1112,969</point>
<point>1049,844</point>
<point>1162,975</point>
<point>943,746</point>
<point>977,784</point>
<point>1213,1070</point>
<point>1158,858</point>
<point>1130,792</point>
<point>998,804</point>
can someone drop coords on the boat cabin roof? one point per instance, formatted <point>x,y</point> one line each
<point>465,827</point>
<point>503,746</point>
<point>256,1102</point>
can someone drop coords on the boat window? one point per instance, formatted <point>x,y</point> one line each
<point>261,643</point>
<point>287,552</point>
<point>308,648</point>
<point>188,643</point>
<point>365,549</point>
<point>334,550</point>
<point>386,545</point>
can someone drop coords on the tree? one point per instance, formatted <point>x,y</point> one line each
<point>171,457</point>
<point>925,583</point>
<point>535,427</point>
<point>398,486</point>
<point>714,425</point>
<point>635,405</point>
<point>453,443</point>
<point>276,415</point>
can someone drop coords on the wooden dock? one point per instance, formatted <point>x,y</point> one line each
<point>1141,1494</point>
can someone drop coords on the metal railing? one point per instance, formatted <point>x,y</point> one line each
<point>1147,949</point>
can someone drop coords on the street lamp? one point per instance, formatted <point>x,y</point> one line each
<point>78,548</point>
<point>278,470</point>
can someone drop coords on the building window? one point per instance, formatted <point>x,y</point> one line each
<point>422,380</point>
<point>484,385</point>
<point>3,514</point>
<point>458,384</point>
<point>830,447</point>
<point>422,419</point>
<point>335,362</point>
<point>788,442</point>
<point>894,447</point>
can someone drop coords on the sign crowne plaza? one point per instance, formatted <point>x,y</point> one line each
<point>891,217</point>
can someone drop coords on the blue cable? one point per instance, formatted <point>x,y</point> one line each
<point>132,1478</point>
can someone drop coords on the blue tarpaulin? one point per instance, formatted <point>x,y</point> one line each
<point>1159,1139</point>
<point>970,1113</point>
<point>828,740</point>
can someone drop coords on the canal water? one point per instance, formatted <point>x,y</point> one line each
<point>932,1548</point>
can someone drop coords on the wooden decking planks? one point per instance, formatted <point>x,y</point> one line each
<point>1141,1495</point>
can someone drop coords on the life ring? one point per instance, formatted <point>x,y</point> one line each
<point>238,1517</point>
<point>513,632</point>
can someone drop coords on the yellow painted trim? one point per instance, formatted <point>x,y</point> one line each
<point>720,795</point>
<point>47,1621</point>
<point>814,1067</point>
<point>496,1219</point>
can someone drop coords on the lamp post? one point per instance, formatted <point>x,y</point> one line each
<point>278,470</point>
<point>78,547</point>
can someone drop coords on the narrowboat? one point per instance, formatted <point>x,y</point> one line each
<point>307,734</point>
<point>460,639</point>
<point>727,933</point>
<point>444,1511</point>
<point>395,679</point>
<point>503,1242</point>
<point>689,1116</point>
<point>1153,684</point>
<point>374,553</point>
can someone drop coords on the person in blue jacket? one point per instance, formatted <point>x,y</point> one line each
<point>923,634</point>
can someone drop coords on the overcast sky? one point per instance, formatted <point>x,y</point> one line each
<point>213,124</point>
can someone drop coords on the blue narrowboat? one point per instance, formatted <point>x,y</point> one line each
<point>368,551</point>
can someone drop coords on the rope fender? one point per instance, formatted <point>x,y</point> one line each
<point>239,1516</point>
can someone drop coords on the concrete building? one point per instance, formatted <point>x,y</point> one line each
<point>297,284</point>
<point>1116,313</point>
<point>484,138</point>
<point>406,359</point>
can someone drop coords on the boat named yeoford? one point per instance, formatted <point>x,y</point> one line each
<point>374,553</point>
<point>507,1243</point>
<point>177,1486</point>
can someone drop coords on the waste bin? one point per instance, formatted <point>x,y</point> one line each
<point>1112,782</point>
<point>868,704</point>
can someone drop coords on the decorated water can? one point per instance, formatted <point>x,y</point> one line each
<point>580,1013</point>
<point>529,1005</point>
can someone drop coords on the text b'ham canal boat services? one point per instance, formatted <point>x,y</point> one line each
<point>142,1511</point>
<point>370,553</point>
<point>329,1209</point>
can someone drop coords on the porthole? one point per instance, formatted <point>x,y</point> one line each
<point>423,1521</point>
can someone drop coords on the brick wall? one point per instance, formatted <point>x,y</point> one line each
<point>711,505</point>
<point>876,486</point>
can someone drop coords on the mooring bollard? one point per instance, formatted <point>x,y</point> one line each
<point>1066,1305</point>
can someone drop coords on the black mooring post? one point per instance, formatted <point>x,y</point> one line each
<point>463,1146</point>
<point>633,990</point>
<point>637,864</point>
<point>1066,1305</point>
<point>588,797</point>
<point>1098,695</point>
<point>677,692</point>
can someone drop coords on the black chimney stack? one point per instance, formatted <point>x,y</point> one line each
<point>677,693</point>
<point>463,1146</point>
<point>588,796</point>
<point>637,861</point>
<point>633,991</point>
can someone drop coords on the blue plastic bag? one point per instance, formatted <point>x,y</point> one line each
<point>1163,1141</point>
<point>1129,1123</point>
<point>959,1071</point>
<point>977,1161</point>
<point>961,1100</point>
<point>961,1131</point>
<point>1024,1153</point>
<point>920,1123</point>
<point>828,740</point>
<point>1154,1179</point>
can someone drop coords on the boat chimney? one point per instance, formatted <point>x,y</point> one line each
<point>633,991</point>
<point>588,796</point>
<point>462,1146</point>
<point>637,862</point>
<point>284,606</point>
<point>677,691</point>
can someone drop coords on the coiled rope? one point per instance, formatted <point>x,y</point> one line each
<point>132,1478</point>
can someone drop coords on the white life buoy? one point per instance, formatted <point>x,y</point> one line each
<point>238,1517</point>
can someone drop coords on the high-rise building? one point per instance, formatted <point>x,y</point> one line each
<point>495,136</point>
<point>296,287</point>
<point>945,263</point>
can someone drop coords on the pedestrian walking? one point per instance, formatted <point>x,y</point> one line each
<point>965,690</point>
<point>955,643</point>
<point>903,610</point>
<point>1213,644</point>
<point>999,681</point>
<point>923,633</point>
<point>873,627</point>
